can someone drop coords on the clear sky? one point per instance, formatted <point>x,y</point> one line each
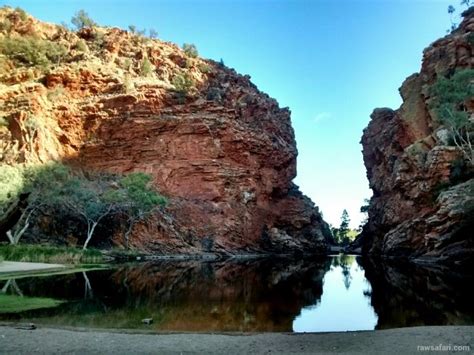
<point>332,62</point>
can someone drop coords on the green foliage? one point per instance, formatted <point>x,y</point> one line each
<point>190,50</point>
<point>183,84</point>
<point>204,68</point>
<point>449,100</point>
<point>146,67</point>
<point>141,197</point>
<point>21,13</point>
<point>3,122</point>
<point>32,51</point>
<point>5,25</point>
<point>17,304</point>
<point>92,197</point>
<point>81,19</point>
<point>11,185</point>
<point>341,234</point>
<point>50,254</point>
<point>132,28</point>
<point>152,33</point>
<point>81,46</point>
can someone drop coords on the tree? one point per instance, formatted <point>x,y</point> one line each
<point>343,230</point>
<point>450,97</point>
<point>39,185</point>
<point>92,200</point>
<point>140,200</point>
<point>81,20</point>
<point>190,50</point>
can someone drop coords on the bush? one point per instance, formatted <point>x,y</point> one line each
<point>146,68</point>
<point>3,122</point>
<point>183,83</point>
<point>190,50</point>
<point>81,19</point>
<point>50,254</point>
<point>449,100</point>
<point>32,51</point>
<point>81,46</point>
<point>21,13</point>
<point>11,186</point>
<point>5,25</point>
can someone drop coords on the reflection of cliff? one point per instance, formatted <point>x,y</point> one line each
<point>247,296</point>
<point>407,295</point>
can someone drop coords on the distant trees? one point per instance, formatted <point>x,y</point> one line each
<point>342,234</point>
<point>452,10</point>
<point>449,100</point>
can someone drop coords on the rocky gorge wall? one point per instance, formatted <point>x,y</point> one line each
<point>221,151</point>
<point>423,188</point>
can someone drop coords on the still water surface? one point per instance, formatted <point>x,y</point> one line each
<point>333,294</point>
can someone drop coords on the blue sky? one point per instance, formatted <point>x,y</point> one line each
<point>331,62</point>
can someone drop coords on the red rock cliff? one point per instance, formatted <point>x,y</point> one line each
<point>423,202</point>
<point>223,152</point>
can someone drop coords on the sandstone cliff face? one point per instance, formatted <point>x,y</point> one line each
<point>223,152</point>
<point>423,192</point>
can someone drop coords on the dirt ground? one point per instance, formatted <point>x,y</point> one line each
<point>401,341</point>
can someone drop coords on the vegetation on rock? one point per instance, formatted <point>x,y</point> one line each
<point>450,101</point>
<point>91,197</point>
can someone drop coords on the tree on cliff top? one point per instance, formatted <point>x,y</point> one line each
<point>81,19</point>
<point>451,98</point>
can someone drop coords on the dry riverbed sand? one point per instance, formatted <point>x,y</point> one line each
<point>401,341</point>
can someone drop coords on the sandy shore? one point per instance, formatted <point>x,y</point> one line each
<point>14,267</point>
<point>401,341</point>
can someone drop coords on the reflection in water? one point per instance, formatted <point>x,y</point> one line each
<point>343,305</point>
<point>406,295</point>
<point>324,295</point>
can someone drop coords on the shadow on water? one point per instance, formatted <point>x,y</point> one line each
<point>407,295</point>
<point>338,293</point>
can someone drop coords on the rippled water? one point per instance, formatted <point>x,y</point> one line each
<point>331,294</point>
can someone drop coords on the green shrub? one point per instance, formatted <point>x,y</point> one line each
<point>81,19</point>
<point>81,46</point>
<point>204,68</point>
<point>183,83</point>
<point>21,13</point>
<point>5,25</point>
<point>50,254</point>
<point>449,100</point>
<point>146,67</point>
<point>11,185</point>
<point>128,86</point>
<point>190,50</point>
<point>32,51</point>
<point>3,122</point>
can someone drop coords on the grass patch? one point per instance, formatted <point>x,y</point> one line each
<point>16,304</point>
<point>50,254</point>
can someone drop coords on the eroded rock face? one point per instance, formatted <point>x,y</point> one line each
<point>223,152</point>
<point>422,205</point>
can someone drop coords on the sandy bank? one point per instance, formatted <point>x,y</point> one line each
<point>13,267</point>
<point>401,341</point>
